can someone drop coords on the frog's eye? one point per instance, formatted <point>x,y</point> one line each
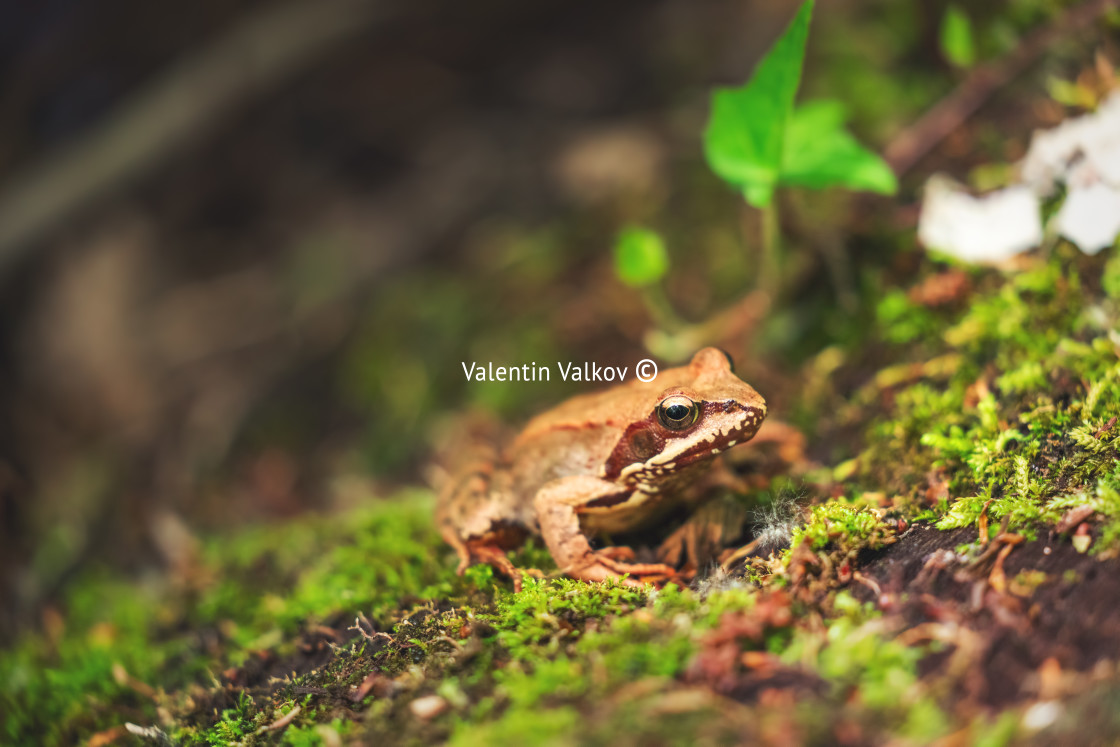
<point>677,412</point>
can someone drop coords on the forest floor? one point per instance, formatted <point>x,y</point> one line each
<point>956,581</point>
<point>951,570</point>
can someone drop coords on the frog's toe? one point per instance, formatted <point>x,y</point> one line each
<point>602,567</point>
<point>600,572</point>
<point>621,552</point>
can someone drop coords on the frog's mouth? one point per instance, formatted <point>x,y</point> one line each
<point>655,452</point>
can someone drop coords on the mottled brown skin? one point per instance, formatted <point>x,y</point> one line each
<point>601,462</point>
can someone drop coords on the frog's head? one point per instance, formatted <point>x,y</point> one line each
<point>703,409</point>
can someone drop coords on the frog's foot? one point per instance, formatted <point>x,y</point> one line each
<point>602,565</point>
<point>489,548</point>
<point>557,504</point>
<point>482,551</point>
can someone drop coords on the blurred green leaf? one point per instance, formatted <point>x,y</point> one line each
<point>640,258</point>
<point>819,153</point>
<point>1110,280</point>
<point>743,140</point>
<point>956,37</point>
<point>1072,93</point>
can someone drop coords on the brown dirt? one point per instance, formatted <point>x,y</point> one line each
<point>1024,636</point>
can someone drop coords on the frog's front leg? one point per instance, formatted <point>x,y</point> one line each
<point>557,505</point>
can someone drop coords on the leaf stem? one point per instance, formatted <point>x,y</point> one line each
<point>768,273</point>
<point>661,309</point>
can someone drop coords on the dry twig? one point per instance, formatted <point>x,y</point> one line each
<point>910,145</point>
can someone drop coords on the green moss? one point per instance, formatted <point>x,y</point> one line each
<point>265,584</point>
<point>57,683</point>
<point>546,612</point>
<point>558,660</point>
<point>647,647</point>
<point>851,527</point>
<point>1020,423</point>
<point>554,726</point>
<point>377,557</point>
<point>313,735</point>
<point>546,666</point>
<point>1110,278</point>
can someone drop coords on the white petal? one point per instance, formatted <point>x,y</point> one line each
<point>1102,147</point>
<point>1090,217</point>
<point>991,228</point>
<point>1042,714</point>
<point>1052,153</point>
<point>1078,151</point>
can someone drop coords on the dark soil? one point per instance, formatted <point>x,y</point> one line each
<point>1071,617</point>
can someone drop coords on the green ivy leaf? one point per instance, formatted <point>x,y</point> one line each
<point>956,37</point>
<point>640,258</point>
<point>743,142</point>
<point>819,153</point>
<point>756,140</point>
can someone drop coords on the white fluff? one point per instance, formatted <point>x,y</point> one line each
<point>774,524</point>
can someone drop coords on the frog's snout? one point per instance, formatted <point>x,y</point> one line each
<point>753,416</point>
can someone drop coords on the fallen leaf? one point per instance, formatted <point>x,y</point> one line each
<point>683,701</point>
<point>1050,684</point>
<point>941,288</point>
<point>103,738</point>
<point>998,578</point>
<point>1073,518</point>
<point>374,681</point>
<point>982,522</point>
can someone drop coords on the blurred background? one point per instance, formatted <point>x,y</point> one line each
<point>245,246</point>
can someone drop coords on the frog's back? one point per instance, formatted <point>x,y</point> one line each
<point>611,408</point>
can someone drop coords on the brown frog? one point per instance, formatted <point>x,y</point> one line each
<point>604,462</point>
